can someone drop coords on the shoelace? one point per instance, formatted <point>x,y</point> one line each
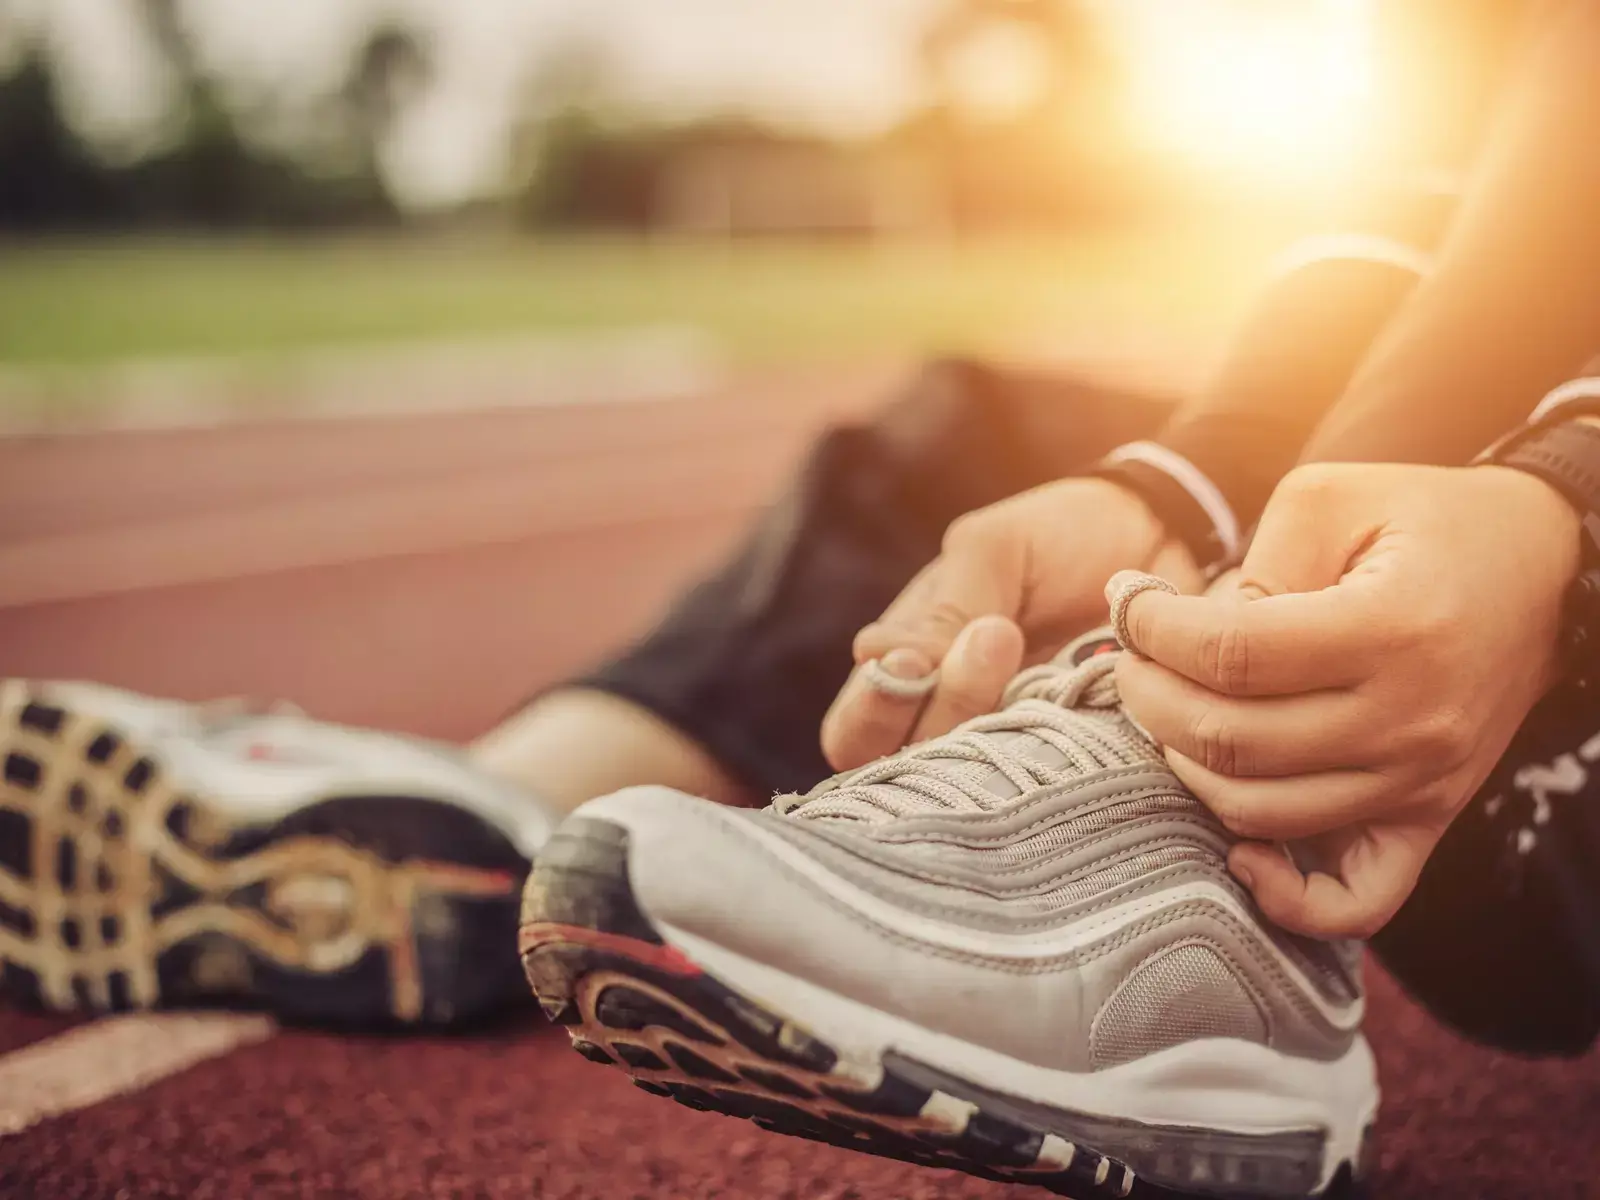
<point>1074,710</point>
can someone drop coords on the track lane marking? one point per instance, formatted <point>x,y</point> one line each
<point>113,1057</point>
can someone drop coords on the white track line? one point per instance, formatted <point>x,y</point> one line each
<point>113,1057</point>
<point>621,366</point>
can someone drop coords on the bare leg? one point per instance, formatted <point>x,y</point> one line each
<point>578,743</point>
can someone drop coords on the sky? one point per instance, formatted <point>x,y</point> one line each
<point>847,66</point>
<point>844,66</point>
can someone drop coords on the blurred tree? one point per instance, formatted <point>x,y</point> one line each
<point>1025,114</point>
<point>572,162</point>
<point>1046,153</point>
<point>212,175</point>
<point>47,176</point>
<point>391,70</point>
<point>209,172</point>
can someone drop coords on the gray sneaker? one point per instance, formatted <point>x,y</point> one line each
<point>1015,950</point>
<point>157,853</point>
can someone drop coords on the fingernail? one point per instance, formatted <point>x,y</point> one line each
<point>907,664</point>
<point>1242,874</point>
<point>988,640</point>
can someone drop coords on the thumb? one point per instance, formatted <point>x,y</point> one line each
<point>1307,534</point>
<point>979,573</point>
<point>1370,870</point>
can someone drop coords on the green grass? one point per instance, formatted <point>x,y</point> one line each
<point>85,303</point>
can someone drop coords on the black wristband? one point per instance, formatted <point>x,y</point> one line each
<point>1172,504</point>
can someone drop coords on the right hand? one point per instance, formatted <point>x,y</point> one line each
<point>1013,583</point>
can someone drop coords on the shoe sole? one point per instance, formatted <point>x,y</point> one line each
<point>118,892</point>
<point>630,1000</point>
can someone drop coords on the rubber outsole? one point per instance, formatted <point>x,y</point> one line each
<point>119,892</point>
<point>632,1001</point>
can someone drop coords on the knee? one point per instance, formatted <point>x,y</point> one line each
<point>926,456</point>
<point>948,401</point>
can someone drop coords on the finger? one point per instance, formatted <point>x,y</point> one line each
<point>1269,736</point>
<point>973,676</point>
<point>1276,645</point>
<point>881,636</point>
<point>1175,563</point>
<point>1225,584</point>
<point>978,573</point>
<point>877,708</point>
<point>1295,806</point>
<point>1377,869</point>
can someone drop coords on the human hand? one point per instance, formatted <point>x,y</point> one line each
<point>1389,630</point>
<point>1013,583</point>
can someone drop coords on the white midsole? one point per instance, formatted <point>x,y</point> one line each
<point>1216,1083</point>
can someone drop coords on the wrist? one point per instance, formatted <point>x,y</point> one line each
<point>1144,523</point>
<point>1549,514</point>
<point>1553,524</point>
<point>1144,543</point>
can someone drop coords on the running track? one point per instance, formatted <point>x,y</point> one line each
<point>422,573</point>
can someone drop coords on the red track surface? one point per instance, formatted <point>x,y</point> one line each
<point>422,574</point>
<point>515,1113</point>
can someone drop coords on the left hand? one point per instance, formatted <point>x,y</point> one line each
<point>1387,633</point>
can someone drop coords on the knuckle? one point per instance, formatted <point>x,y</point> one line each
<point>1143,628</point>
<point>871,641</point>
<point>967,530</point>
<point>1215,742</point>
<point>1431,629</point>
<point>1444,735</point>
<point>1225,659</point>
<point>1237,817</point>
<point>942,620</point>
<point>1312,482</point>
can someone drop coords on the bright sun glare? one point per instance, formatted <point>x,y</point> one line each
<point>1270,88</point>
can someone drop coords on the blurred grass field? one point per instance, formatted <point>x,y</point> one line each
<point>68,305</point>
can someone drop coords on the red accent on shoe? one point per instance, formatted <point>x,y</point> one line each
<point>664,958</point>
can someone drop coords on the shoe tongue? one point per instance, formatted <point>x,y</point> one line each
<point>1086,646</point>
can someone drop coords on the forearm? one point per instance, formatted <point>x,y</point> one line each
<point>1512,306</point>
<point>1288,362</point>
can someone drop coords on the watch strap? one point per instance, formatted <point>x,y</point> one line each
<point>1566,455</point>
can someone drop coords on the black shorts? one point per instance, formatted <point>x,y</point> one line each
<point>1501,937</point>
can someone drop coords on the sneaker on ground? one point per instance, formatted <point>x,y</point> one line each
<point>154,853</point>
<point>1014,950</point>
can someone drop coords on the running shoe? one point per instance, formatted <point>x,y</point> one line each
<point>154,853</point>
<point>1014,950</point>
